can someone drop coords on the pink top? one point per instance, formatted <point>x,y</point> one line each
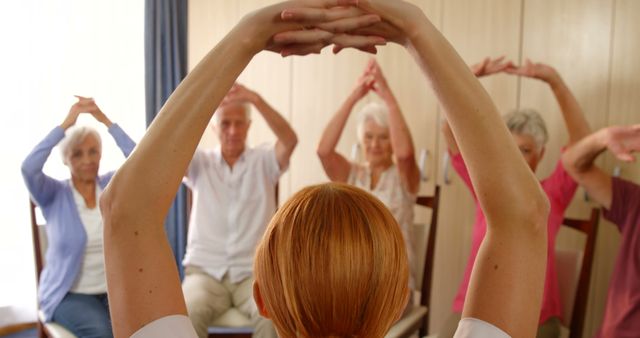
<point>560,188</point>
<point>622,312</point>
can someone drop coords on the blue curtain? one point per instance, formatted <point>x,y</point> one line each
<point>165,66</point>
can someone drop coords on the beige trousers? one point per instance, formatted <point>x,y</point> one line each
<point>207,298</point>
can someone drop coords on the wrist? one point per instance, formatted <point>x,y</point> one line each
<point>554,80</point>
<point>251,40</point>
<point>417,30</point>
<point>602,138</point>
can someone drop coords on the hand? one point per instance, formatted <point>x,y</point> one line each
<point>84,105</point>
<point>240,94</point>
<point>399,23</point>
<point>293,27</point>
<point>538,71</point>
<point>623,141</point>
<point>363,86</point>
<point>490,66</point>
<point>380,85</point>
<point>400,20</point>
<point>92,108</point>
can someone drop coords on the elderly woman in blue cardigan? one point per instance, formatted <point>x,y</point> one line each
<point>73,290</point>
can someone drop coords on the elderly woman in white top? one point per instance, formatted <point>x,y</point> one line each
<point>73,286</point>
<point>389,171</point>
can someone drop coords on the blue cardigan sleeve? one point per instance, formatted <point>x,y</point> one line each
<point>124,142</point>
<point>41,187</point>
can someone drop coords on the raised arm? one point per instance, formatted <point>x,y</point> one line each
<point>287,139</point>
<point>577,124</point>
<point>508,277</point>
<point>579,159</point>
<point>399,131</point>
<point>142,278</point>
<point>336,166</point>
<point>488,66</point>
<point>40,186</point>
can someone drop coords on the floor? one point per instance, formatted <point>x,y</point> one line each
<point>31,333</point>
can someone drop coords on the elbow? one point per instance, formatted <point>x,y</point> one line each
<point>534,210</point>
<point>323,153</point>
<point>293,142</point>
<point>112,210</point>
<point>406,157</point>
<point>106,203</point>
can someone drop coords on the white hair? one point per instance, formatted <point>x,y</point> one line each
<point>528,122</point>
<point>74,137</point>
<point>373,111</point>
<point>245,106</point>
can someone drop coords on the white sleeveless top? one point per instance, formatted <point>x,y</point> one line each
<point>392,193</point>
<point>174,326</point>
<point>476,328</point>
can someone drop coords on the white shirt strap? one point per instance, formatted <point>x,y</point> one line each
<point>476,328</point>
<point>174,326</point>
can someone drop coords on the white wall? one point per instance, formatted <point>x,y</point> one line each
<point>51,50</point>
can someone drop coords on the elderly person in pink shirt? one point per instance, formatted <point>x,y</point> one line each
<point>530,134</point>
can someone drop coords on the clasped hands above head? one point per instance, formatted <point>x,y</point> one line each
<point>315,24</point>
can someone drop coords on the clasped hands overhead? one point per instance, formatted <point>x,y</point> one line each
<point>308,26</point>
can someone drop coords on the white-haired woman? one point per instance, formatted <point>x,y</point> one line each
<point>389,171</point>
<point>73,289</point>
<point>529,132</point>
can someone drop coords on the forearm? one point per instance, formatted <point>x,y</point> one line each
<point>124,142</point>
<point>335,127</point>
<point>399,132</point>
<point>574,118</point>
<point>580,158</point>
<point>280,127</point>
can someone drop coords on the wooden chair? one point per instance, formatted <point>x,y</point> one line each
<point>423,239</point>
<point>574,274</point>
<point>45,329</point>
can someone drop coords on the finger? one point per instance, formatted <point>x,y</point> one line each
<point>349,24</point>
<point>337,13</point>
<point>499,59</point>
<point>337,3</point>
<point>626,157</point>
<point>302,37</point>
<point>358,42</point>
<point>82,98</point>
<point>302,49</point>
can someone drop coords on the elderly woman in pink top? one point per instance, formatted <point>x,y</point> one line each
<point>530,134</point>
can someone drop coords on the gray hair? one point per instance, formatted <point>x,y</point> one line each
<point>373,111</point>
<point>528,122</point>
<point>245,106</point>
<point>74,138</point>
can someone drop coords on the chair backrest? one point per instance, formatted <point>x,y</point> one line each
<point>39,240</point>
<point>423,237</point>
<point>574,273</point>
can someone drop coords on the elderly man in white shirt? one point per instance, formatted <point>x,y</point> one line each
<point>234,189</point>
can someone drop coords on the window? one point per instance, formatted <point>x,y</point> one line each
<point>51,50</point>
